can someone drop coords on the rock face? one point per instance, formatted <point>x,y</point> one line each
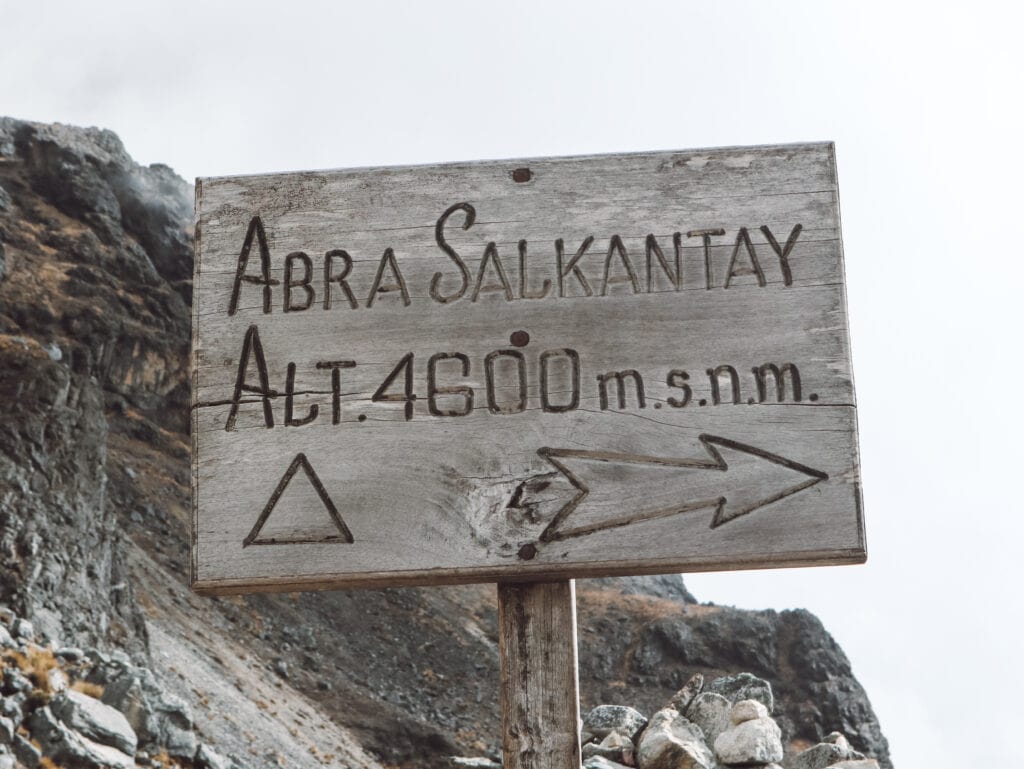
<point>95,266</point>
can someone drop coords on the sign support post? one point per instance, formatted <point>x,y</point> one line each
<point>540,709</point>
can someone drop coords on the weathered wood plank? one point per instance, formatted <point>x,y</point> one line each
<point>540,708</point>
<point>423,407</point>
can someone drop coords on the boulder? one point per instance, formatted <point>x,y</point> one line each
<point>14,681</point>
<point>671,741</point>
<point>10,707</point>
<point>22,628</point>
<point>208,758</point>
<point>7,731</point>
<point>91,718</point>
<point>681,700</point>
<point>615,747</point>
<point>27,754</point>
<point>159,719</point>
<point>744,686</point>
<point>749,741</point>
<point>71,749</point>
<point>605,719</point>
<point>747,710</point>
<point>710,712</point>
<point>833,749</point>
<point>56,680</point>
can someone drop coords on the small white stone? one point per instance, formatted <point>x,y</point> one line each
<point>616,740</point>
<point>839,740</point>
<point>747,710</point>
<point>57,680</point>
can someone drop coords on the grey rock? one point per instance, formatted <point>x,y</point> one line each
<point>56,680</point>
<point>46,623</point>
<point>670,741</point>
<point>54,352</point>
<point>615,747</point>
<point>710,711</point>
<point>14,681</point>
<point>68,747</point>
<point>208,758</point>
<point>22,628</point>
<point>744,686</point>
<point>474,762</point>
<point>833,749</point>
<point>7,761</point>
<point>70,653</point>
<point>751,741</point>
<point>5,200</point>
<point>281,667</point>
<point>159,719</point>
<point>681,700</point>
<point>7,730</point>
<point>106,668</point>
<point>10,707</point>
<point>599,762</point>
<point>856,763</point>
<point>6,640</point>
<point>26,753</point>
<point>604,719</point>
<point>91,718</point>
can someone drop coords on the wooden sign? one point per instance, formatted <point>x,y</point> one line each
<point>523,370</point>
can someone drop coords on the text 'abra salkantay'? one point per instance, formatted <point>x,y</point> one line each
<point>573,269</point>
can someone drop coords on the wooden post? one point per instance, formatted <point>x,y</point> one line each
<point>540,709</point>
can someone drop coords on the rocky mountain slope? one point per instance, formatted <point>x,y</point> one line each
<point>95,267</point>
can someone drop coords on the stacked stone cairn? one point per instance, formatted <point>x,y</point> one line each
<point>722,725</point>
<point>68,707</point>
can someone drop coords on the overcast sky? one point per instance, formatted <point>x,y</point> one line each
<point>922,102</point>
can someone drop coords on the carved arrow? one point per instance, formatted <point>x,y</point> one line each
<point>750,478</point>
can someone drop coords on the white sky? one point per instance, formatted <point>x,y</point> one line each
<point>922,102</point>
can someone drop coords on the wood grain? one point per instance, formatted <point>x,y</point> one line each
<point>530,451</point>
<point>539,675</point>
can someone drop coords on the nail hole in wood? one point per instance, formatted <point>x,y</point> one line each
<point>519,339</point>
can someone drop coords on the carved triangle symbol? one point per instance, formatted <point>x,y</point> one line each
<point>339,533</point>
